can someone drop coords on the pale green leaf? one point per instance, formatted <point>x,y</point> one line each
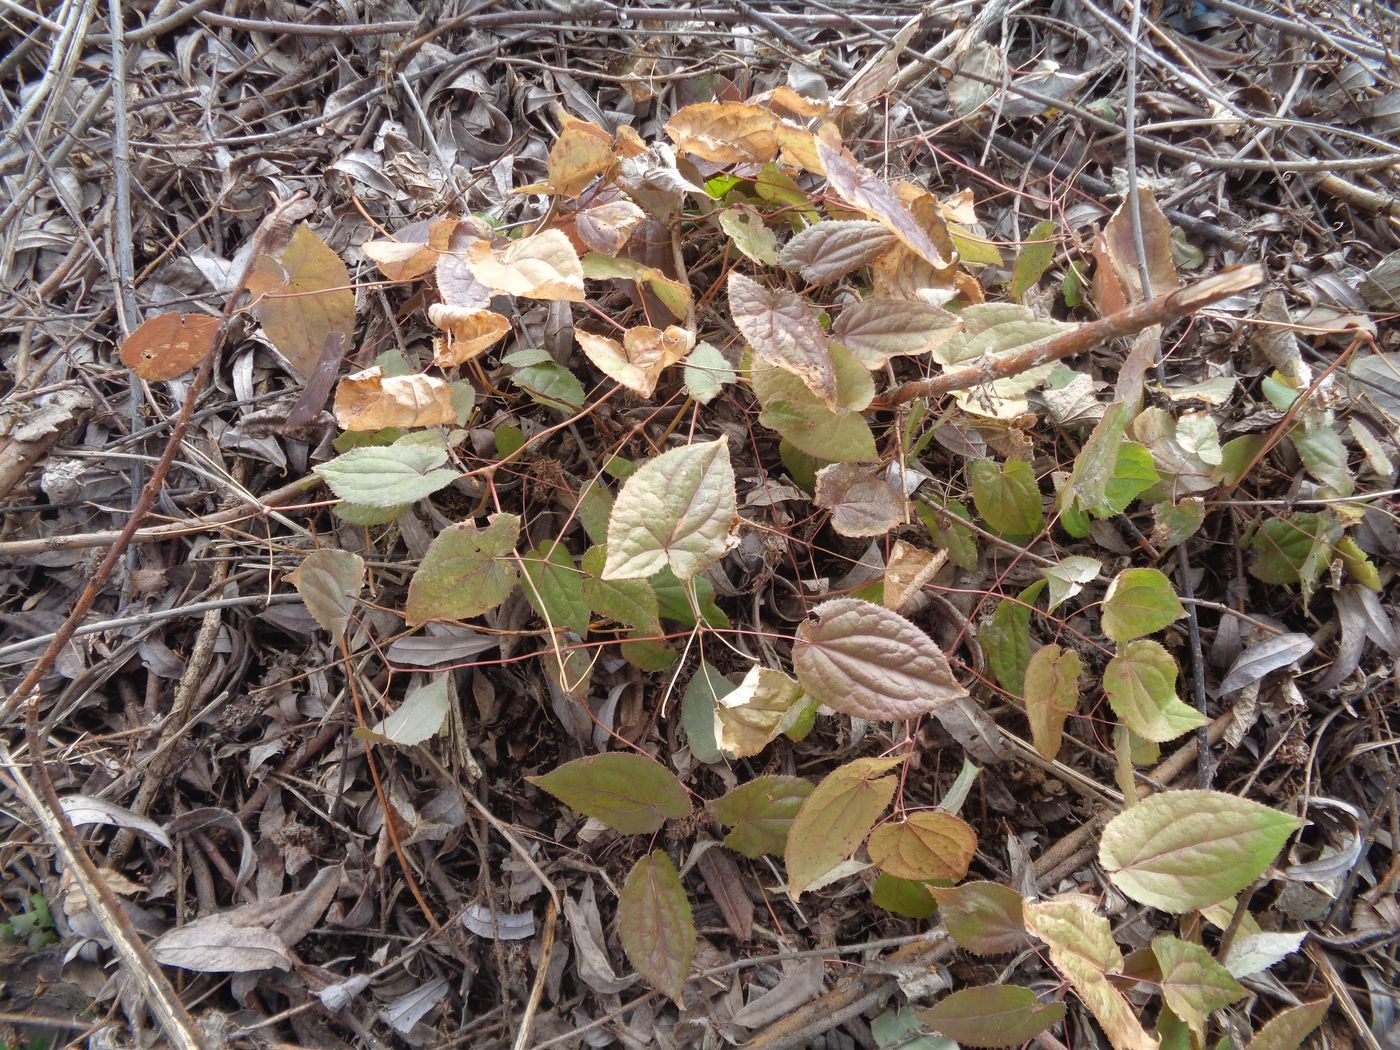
<point>760,813</point>
<point>419,717</point>
<point>629,793</point>
<point>753,239</point>
<point>1097,461</point>
<point>1287,1030</point>
<point>329,582</point>
<point>1193,983</point>
<point>1139,602</point>
<point>958,540</point>
<point>629,602</point>
<point>1007,497</point>
<point>677,510</point>
<point>1198,435</point>
<point>554,587</point>
<point>1180,850</point>
<point>706,373</point>
<point>1324,456</point>
<point>992,1015</point>
<point>1068,578</point>
<point>865,660</point>
<point>388,475</point>
<point>835,819</point>
<point>1034,258</point>
<point>1052,695</point>
<point>1007,639</point>
<point>466,571</point>
<point>1140,683</point>
<point>655,924</point>
<point>1173,523</point>
<point>706,686</point>
<point>365,517</point>
<point>899,1029</point>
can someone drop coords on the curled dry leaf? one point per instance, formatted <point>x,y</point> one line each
<point>542,266</point>
<point>456,281</point>
<point>411,252</point>
<point>582,152</point>
<point>1117,282</point>
<point>302,298</point>
<point>370,400</point>
<point>752,715</point>
<point>907,570</point>
<point>607,227</point>
<point>169,345</point>
<point>862,189</point>
<point>470,332</point>
<point>861,503</point>
<point>638,361</point>
<point>828,250</point>
<point>725,132</point>
<point>867,661</point>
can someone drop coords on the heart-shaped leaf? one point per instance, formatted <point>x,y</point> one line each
<point>329,582</point>
<point>927,845</point>
<point>835,819</point>
<point>629,793</point>
<point>465,572</point>
<point>655,924</point>
<point>760,813</point>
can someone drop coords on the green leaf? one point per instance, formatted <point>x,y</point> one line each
<point>1069,577</point>
<point>1181,850</point>
<point>655,924</point>
<point>509,441</point>
<point>1294,549</point>
<point>835,819</point>
<point>329,582</point>
<point>1007,639</point>
<point>368,516</point>
<point>1193,983</point>
<point>465,571</point>
<point>1358,565</point>
<point>419,717</point>
<point>706,373</point>
<point>1236,456</point>
<point>927,845</point>
<point>1139,602</point>
<point>753,239</point>
<point>629,793</point>
<point>1140,683</point>
<point>387,476</point>
<point>1007,497</point>
<point>674,603</point>
<point>1324,456</point>
<point>899,1029</point>
<point>593,509</point>
<point>1052,695</point>
<point>677,510</point>
<point>550,384</point>
<point>647,653</point>
<point>1133,474</point>
<point>985,918</point>
<point>865,660</point>
<point>974,249</point>
<point>958,540</point>
<point>1097,463</point>
<point>1082,949</point>
<point>902,896</point>
<point>992,1015</point>
<point>629,602</point>
<point>706,686</point>
<point>554,587</point>
<point>1174,523</point>
<point>837,436</point>
<point>759,814</point>
<point>1034,258</point>
<point>1286,1031</point>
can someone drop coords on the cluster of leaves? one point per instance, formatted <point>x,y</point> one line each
<point>901,257</point>
<point>33,926</point>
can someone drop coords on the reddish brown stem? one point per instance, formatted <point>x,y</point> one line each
<point>1160,311</point>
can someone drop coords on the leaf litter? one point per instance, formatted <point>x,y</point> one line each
<point>428,558</point>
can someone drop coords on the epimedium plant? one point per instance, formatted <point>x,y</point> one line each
<point>833,275</point>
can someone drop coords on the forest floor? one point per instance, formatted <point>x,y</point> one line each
<point>271,654</point>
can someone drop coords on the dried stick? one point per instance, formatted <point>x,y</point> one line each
<point>1160,311</point>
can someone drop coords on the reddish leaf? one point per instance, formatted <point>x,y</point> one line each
<point>654,921</point>
<point>828,250</point>
<point>983,917</point>
<point>169,345</point>
<point>783,330</point>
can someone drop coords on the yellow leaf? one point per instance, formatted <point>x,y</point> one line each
<point>411,252</point>
<point>582,152</point>
<point>638,361</point>
<point>469,332</point>
<point>544,266</point>
<point>725,132</point>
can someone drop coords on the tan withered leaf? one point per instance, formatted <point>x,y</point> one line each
<point>861,503</point>
<point>582,152</point>
<point>411,252</point>
<point>929,845</point>
<point>752,715</point>
<point>907,570</point>
<point>302,298</point>
<point>798,148</point>
<point>470,332</point>
<point>1117,282</point>
<point>783,330</point>
<point>1052,695</point>
<point>861,188</point>
<point>168,345</point>
<point>370,400</point>
<point>542,266</point>
<point>638,361</point>
<point>607,227</point>
<point>725,132</point>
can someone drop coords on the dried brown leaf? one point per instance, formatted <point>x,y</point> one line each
<point>370,400</point>
<point>725,132</point>
<point>169,345</point>
<point>470,332</point>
